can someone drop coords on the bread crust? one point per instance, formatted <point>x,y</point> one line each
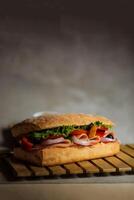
<point>55,120</point>
<point>55,156</point>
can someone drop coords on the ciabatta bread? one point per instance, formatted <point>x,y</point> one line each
<point>50,156</point>
<point>56,120</point>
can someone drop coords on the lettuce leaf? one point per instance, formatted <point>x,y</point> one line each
<point>62,130</point>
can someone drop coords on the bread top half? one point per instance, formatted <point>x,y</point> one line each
<point>55,120</point>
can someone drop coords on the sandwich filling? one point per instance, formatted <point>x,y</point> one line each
<point>64,136</point>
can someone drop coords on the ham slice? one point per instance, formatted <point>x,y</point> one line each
<point>58,142</point>
<point>65,143</point>
<point>82,136</point>
<point>80,139</point>
<point>83,140</point>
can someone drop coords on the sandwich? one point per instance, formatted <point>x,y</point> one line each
<point>53,139</point>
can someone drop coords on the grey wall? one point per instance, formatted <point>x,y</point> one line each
<point>68,57</point>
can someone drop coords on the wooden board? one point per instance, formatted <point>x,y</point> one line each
<point>131,145</point>
<point>18,168</point>
<point>121,162</point>
<point>88,167</point>
<point>57,170</point>
<point>104,166</point>
<point>39,171</point>
<point>126,149</point>
<point>72,167</point>
<point>126,159</point>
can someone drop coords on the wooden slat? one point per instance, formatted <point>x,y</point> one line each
<point>121,162</point>
<point>19,168</point>
<point>57,170</point>
<point>88,167</point>
<point>120,165</point>
<point>73,168</point>
<point>39,171</point>
<point>127,150</point>
<point>104,166</point>
<point>131,145</point>
<point>126,158</point>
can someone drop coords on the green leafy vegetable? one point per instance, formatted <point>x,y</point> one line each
<point>62,130</point>
<point>98,123</point>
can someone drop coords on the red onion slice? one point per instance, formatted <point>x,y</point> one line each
<point>107,140</point>
<point>108,132</point>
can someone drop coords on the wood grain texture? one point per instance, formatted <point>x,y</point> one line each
<point>72,168</point>
<point>19,168</point>
<point>104,166</point>
<point>131,145</point>
<point>88,167</point>
<point>57,170</point>
<point>120,165</point>
<point>39,171</point>
<point>126,158</point>
<point>127,150</point>
<point>121,162</point>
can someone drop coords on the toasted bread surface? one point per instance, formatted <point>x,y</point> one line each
<point>56,120</point>
<point>55,155</point>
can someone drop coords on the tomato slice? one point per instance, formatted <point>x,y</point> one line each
<point>78,132</point>
<point>26,144</point>
<point>100,132</point>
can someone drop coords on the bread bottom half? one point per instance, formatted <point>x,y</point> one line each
<point>56,155</point>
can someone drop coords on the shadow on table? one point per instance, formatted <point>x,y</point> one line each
<point>7,138</point>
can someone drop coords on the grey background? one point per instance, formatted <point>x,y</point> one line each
<point>67,56</point>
